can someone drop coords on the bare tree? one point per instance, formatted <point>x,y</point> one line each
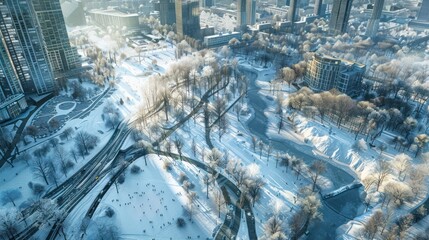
<point>178,143</point>
<point>401,163</point>
<point>85,141</point>
<point>254,187</point>
<point>33,131</point>
<point>9,222</point>
<point>10,195</point>
<point>67,133</point>
<point>399,192</point>
<point>382,171</point>
<point>40,168</point>
<point>273,229</point>
<point>316,169</point>
<point>214,157</point>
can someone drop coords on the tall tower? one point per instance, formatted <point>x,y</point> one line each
<point>188,18</point>
<point>63,58</point>
<point>23,44</point>
<point>374,21</point>
<point>246,12</point>
<point>318,7</point>
<point>340,16</point>
<point>424,12</point>
<point>292,14</point>
<point>167,12</point>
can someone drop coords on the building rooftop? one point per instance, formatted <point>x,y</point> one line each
<point>113,12</point>
<point>221,34</point>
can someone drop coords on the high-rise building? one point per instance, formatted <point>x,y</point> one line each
<point>292,13</point>
<point>63,58</point>
<point>318,7</point>
<point>340,16</point>
<point>23,43</point>
<point>246,12</point>
<point>206,3</point>
<point>188,18</point>
<point>423,15</point>
<point>325,73</point>
<point>167,12</point>
<point>374,21</point>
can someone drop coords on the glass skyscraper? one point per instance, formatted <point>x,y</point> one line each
<point>62,56</point>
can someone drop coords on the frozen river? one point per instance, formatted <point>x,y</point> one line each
<point>347,204</point>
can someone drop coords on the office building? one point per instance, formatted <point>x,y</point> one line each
<point>206,3</point>
<point>167,12</point>
<point>188,18</point>
<point>220,39</point>
<point>292,12</point>
<point>325,73</point>
<point>318,8</point>
<point>423,15</point>
<point>23,49</point>
<point>340,16</point>
<point>63,58</point>
<point>73,12</point>
<point>374,21</point>
<point>246,12</point>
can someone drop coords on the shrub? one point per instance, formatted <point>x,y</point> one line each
<point>135,169</point>
<point>167,165</point>
<point>181,222</point>
<point>109,212</point>
<point>182,177</point>
<point>121,179</point>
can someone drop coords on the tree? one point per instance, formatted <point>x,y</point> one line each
<point>63,157</point>
<point>135,169</point>
<point>421,141</point>
<point>273,229</point>
<point>24,156</point>
<point>10,195</point>
<point>192,197</point>
<point>254,187</point>
<point>288,75</point>
<point>382,171</point>
<point>33,131</point>
<point>401,163</point>
<point>178,143</point>
<point>67,133</point>
<point>371,227</point>
<point>214,157</point>
<point>9,222</point>
<point>399,192</point>
<point>85,141</point>
<point>40,168</point>
<point>316,169</point>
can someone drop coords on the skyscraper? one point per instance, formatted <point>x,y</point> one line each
<point>188,18</point>
<point>374,21</point>
<point>340,16</point>
<point>246,12</point>
<point>318,7</point>
<point>63,58</point>
<point>167,12</point>
<point>423,15</point>
<point>292,14</point>
<point>23,44</point>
